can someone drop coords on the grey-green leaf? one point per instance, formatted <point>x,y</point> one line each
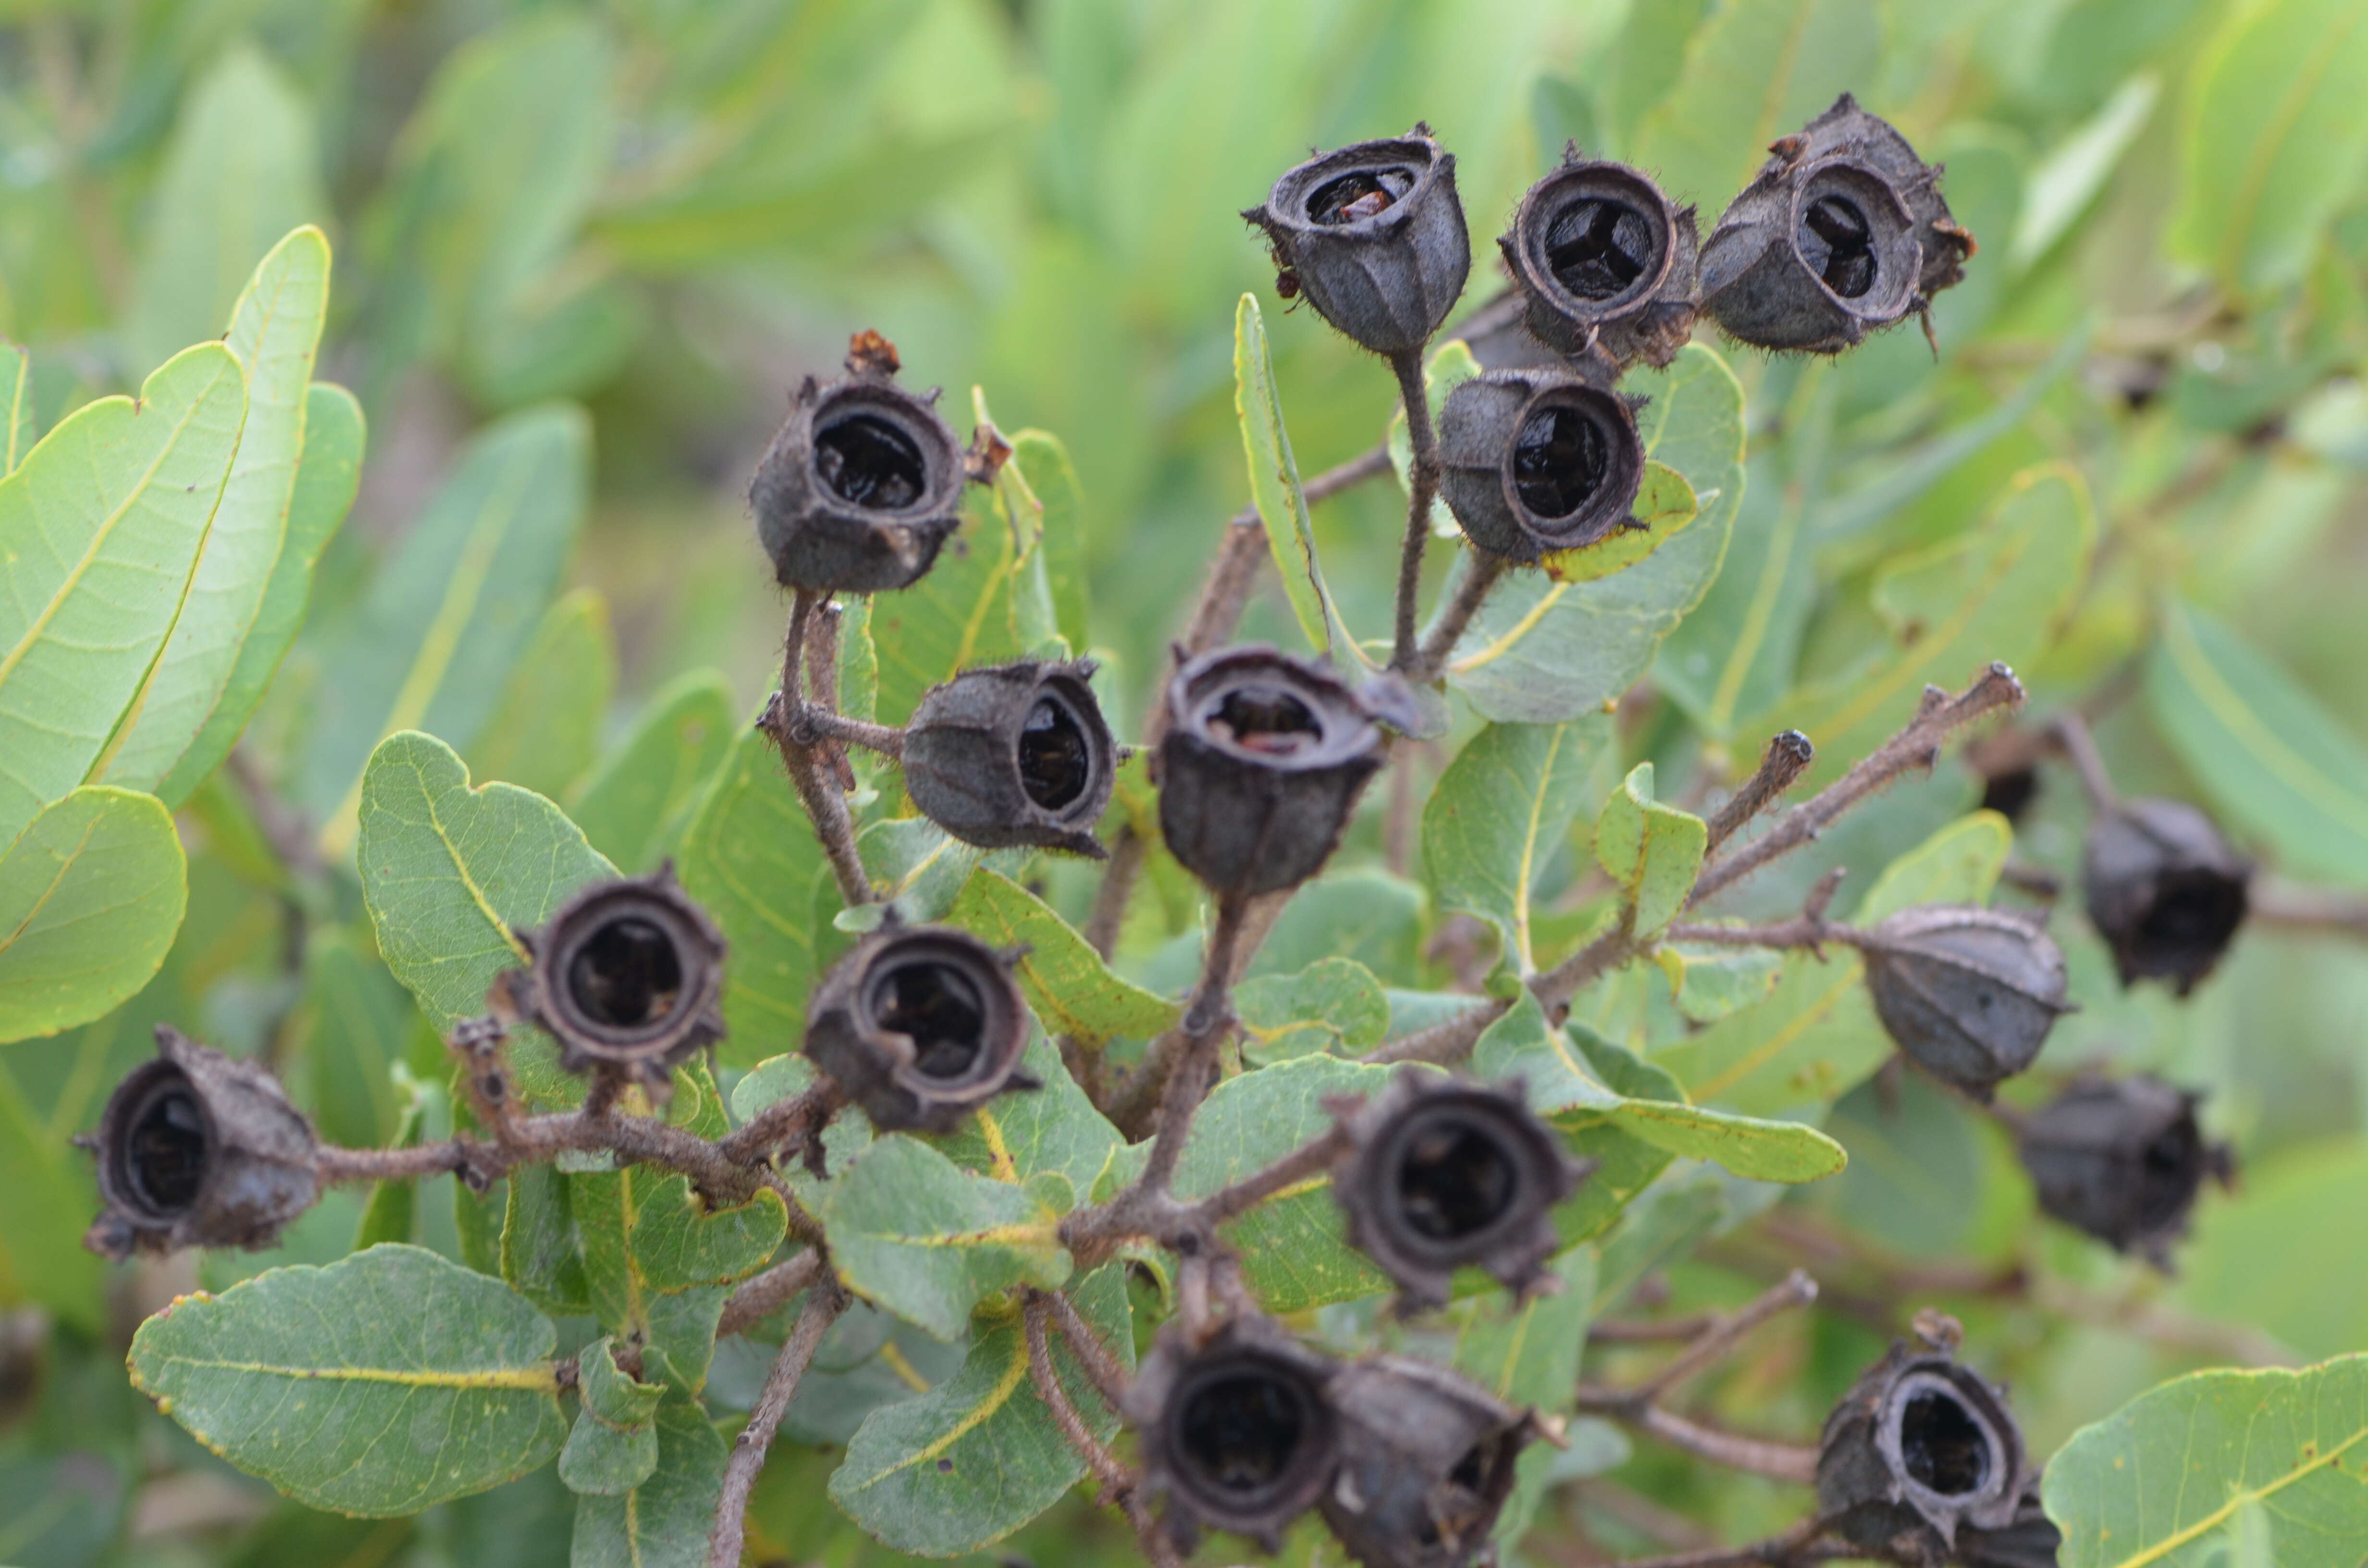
<point>918,1237</point>
<point>546,732</point>
<point>634,807</point>
<point>1499,814</point>
<point>1334,1005</point>
<point>91,894</point>
<point>613,1446</point>
<point>663,1522</point>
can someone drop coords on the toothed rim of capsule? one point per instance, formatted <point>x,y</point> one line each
<point>1977,1398</point>
<point>1159,1403</point>
<point>1892,297</point>
<point>1606,508</point>
<point>544,992</point>
<point>1346,732</point>
<point>914,416</point>
<point>1003,1033</point>
<point>1524,243</point>
<point>1286,204</point>
<point>142,1090</point>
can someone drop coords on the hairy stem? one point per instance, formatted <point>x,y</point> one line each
<point>816,786</point>
<point>2070,733</point>
<point>1481,575</point>
<point>1422,488</point>
<point>755,1297</point>
<point>1787,758</point>
<point>740,1471</point>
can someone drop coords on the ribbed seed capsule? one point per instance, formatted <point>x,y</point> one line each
<point>1538,460</point>
<point>1425,1464</point>
<point>2123,1160</point>
<point>1919,1448</point>
<point>2164,889</point>
<point>920,1025</point>
<point>1239,1433</point>
<point>1011,755</point>
<point>1605,261</point>
<point>1969,992</point>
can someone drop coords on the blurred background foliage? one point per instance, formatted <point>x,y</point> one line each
<point>582,250</point>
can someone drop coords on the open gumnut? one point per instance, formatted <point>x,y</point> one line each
<point>919,1025</point>
<point>627,976</point>
<point>862,483</point>
<point>2164,889</point>
<point>2030,1539</point>
<point>1016,754</point>
<point>1425,1464</point>
<point>1918,1450</point>
<point>1605,261</point>
<point>2123,1160</point>
<point>1443,1174</point>
<point>1374,236</point>
<point>198,1149</point>
<point>1260,768</point>
<point>1969,993</point>
<point>1538,460</point>
<point>1238,1433</point>
<point>1840,233</point>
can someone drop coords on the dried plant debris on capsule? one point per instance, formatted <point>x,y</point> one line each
<point>1605,261</point>
<point>1237,1433</point>
<point>1919,1448</point>
<point>1426,1463</point>
<point>627,976</point>
<point>920,1025</point>
<point>2164,889</point>
<point>1537,461</point>
<point>862,484</point>
<point>1373,236</point>
<point>1260,768</point>
<point>1970,994</point>
<point>1843,232</point>
<point>1017,754</point>
<point>1443,1174</point>
<point>198,1149</point>
<point>2123,1160</point>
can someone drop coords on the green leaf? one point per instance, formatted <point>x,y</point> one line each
<point>1016,1138</point>
<point>1997,592</point>
<point>917,1236</point>
<point>1498,816</point>
<point>635,808</point>
<point>91,894</point>
<point>2274,139</point>
<point>112,502</point>
<point>2272,757</point>
<point>751,859</point>
<point>1653,851</point>
<point>1753,71</point>
<point>1334,1005</point>
<point>381,1385</point>
<point>1066,981</point>
<point>957,617</point>
<point>451,872</point>
<point>241,171</point>
<point>1665,505</point>
<point>19,428</point>
<point>1526,1352</point>
<point>1816,1034</point>
<point>1043,465</point>
<point>546,731</point>
<point>1564,1086</point>
<point>1540,651</point>
<point>540,1256</point>
<point>1710,980</point>
<point>328,475</point>
<point>663,1522</point>
<point>978,1456</point>
<point>44,1204</point>
<point>2255,1257</point>
<point>2161,1481</point>
<point>274,330</point>
<point>613,1446</point>
<point>447,616</point>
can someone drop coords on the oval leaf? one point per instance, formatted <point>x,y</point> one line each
<point>91,894</point>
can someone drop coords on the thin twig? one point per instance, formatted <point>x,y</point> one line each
<point>1803,1543</point>
<point>817,787</point>
<point>1794,1462</point>
<point>1480,574</point>
<point>1302,1164</point>
<point>1787,758</point>
<point>1108,1374</point>
<point>1720,1333</point>
<point>2070,733</point>
<point>793,1125</point>
<point>1422,489</point>
<point>756,1298</point>
<point>821,669</point>
<point>2294,908</point>
<point>748,1450</point>
<point>816,727</point>
<point>1107,919</point>
<point>1207,1019</point>
<point>1118,1484</point>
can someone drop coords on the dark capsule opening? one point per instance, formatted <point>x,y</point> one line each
<point>165,1153</point>
<point>1353,197</point>
<point>1242,1431</point>
<point>2194,913</point>
<point>866,462</point>
<point>939,1009</point>
<point>1839,245</point>
<point>1943,1447</point>
<point>2010,793</point>
<point>1266,720</point>
<point>1560,459</point>
<point>627,974</point>
<point>1056,762</point>
<point>1597,247</point>
<point>2168,1173</point>
<point>1455,1179</point>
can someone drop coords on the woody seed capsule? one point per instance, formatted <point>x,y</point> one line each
<point>198,1149</point>
<point>1605,260</point>
<point>1016,754</point>
<point>2164,889</point>
<point>2124,1161</point>
<point>2030,1539</point>
<point>1238,1433</point>
<point>1538,460</point>
<point>1425,1464</point>
<point>1969,992</point>
<point>1918,1449</point>
<point>920,1025</point>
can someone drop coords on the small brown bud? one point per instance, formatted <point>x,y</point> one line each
<point>1425,1464</point>
<point>1538,460</point>
<point>1969,992</point>
<point>198,1149</point>
<point>1016,754</point>
<point>1919,1447</point>
<point>1605,260</point>
<point>2123,1160</point>
<point>920,1025</point>
<point>2164,889</point>
<point>627,976</point>
<point>1238,1433</point>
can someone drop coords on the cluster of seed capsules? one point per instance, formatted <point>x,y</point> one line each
<point>1842,233</point>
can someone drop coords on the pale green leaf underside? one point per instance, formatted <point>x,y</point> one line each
<point>91,894</point>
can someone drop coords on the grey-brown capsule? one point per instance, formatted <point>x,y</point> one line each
<point>2122,1159</point>
<point>1373,236</point>
<point>627,976</point>
<point>2030,1539</point>
<point>920,1025</point>
<point>1538,460</point>
<point>1425,1464</point>
<point>198,1149</point>
<point>1015,755</point>
<point>1605,261</point>
<point>1443,1174</point>
<point>1969,992</point>
<point>2164,889</point>
<point>1919,1448</point>
<point>1847,130</point>
<point>1239,1433</point>
<point>1260,768</point>
<point>862,485</point>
